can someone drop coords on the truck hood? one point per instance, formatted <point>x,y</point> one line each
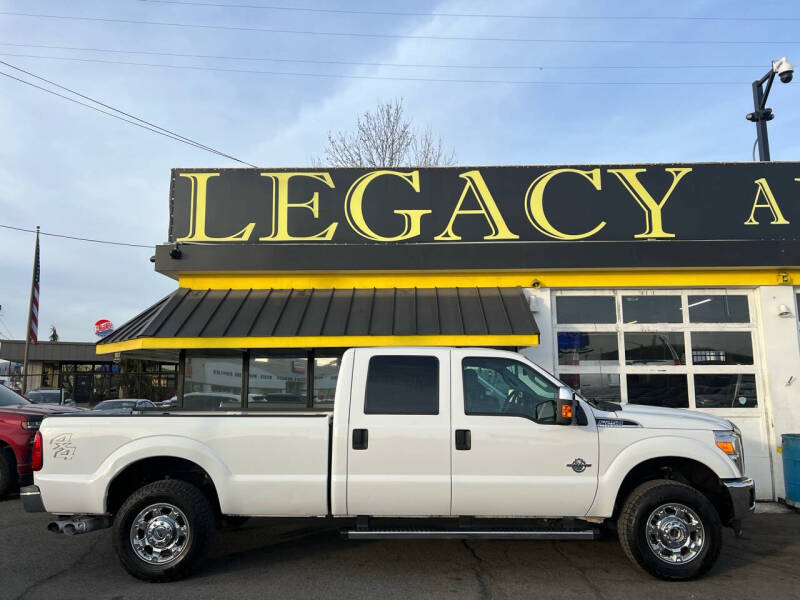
<point>655,417</point>
<point>39,409</point>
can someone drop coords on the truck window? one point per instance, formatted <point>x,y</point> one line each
<point>505,387</point>
<point>402,385</point>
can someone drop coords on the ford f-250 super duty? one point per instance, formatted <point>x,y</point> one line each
<point>422,442</point>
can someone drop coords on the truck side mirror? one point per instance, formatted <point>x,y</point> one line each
<point>565,407</point>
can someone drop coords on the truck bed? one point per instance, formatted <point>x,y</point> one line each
<point>265,464</point>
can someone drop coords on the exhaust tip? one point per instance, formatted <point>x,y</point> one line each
<point>69,529</point>
<point>54,527</point>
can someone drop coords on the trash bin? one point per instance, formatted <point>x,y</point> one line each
<point>791,467</point>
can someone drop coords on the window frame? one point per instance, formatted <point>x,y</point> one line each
<point>685,327</point>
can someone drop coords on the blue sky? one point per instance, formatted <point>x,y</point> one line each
<point>77,172</point>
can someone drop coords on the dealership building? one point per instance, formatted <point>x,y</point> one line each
<point>670,285</point>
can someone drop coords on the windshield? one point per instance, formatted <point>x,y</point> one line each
<point>10,398</point>
<point>45,396</point>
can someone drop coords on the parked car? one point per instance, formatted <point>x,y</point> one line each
<point>168,403</point>
<point>124,405</point>
<point>416,436</point>
<point>50,396</point>
<point>19,420</point>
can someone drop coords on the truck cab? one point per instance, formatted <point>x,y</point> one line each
<point>464,432</point>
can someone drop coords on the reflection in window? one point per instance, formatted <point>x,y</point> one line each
<point>669,391</point>
<point>586,309</point>
<point>651,309</point>
<point>326,371</point>
<point>733,390</point>
<point>722,348</point>
<point>718,309</point>
<point>587,349</point>
<point>213,382</point>
<point>501,386</point>
<point>277,382</point>
<point>665,348</point>
<point>594,386</point>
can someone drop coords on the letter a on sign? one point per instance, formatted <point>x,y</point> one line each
<point>486,207</point>
<point>769,202</point>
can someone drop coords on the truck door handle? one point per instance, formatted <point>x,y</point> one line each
<point>360,439</point>
<point>463,439</point>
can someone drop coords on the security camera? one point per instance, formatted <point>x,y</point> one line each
<point>784,69</point>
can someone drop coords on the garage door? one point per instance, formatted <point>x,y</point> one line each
<point>693,348</point>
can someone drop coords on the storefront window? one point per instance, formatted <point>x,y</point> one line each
<point>722,348</point>
<point>587,349</point>
<point>213,382</point>
<point>670,391</point>
<point>664,348</point>
<point>651,309</point>
<point>277,382</point>
<point>597,386</point>
<point>673,348</point>
<point>586,309</point>
<point>50,375</point>
<point>725,391</point>
<point>718,309</point>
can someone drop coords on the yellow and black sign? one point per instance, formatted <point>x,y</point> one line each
<point>484,218</point>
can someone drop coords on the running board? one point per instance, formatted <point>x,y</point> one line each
<point>467,534</point>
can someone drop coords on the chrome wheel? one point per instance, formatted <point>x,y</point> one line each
<point>675,533</point>
<point>160,533</point>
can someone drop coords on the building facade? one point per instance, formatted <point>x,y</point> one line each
<point>86,377</point>
<point>664,285</point>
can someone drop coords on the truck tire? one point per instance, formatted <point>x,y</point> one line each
<point>670,529</point>
<point>8,471</point>
<point>163,530</point>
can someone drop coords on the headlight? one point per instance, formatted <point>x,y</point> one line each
<point>32,425</point>
<point>730,442</point>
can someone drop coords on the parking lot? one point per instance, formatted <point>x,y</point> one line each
<point>262,560</point>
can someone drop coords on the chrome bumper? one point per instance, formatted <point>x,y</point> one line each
<point>742,492</point>
<point>31,498</point>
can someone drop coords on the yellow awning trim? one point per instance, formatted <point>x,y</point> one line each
<point>154,343</point>
<point>550,279</point>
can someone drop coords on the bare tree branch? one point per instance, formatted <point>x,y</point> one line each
<point>385,138</point>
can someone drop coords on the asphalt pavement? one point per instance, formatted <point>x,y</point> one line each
<point>261,560</point>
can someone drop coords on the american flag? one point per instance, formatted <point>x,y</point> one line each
<point>34,318</point>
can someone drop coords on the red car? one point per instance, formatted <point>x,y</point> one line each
<point>19,421</point>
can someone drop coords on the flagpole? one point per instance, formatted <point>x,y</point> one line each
<point>30,314</point>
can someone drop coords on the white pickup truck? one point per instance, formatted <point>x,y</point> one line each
<point>422,442</point>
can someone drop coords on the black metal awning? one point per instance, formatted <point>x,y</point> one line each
<point>274,318</point>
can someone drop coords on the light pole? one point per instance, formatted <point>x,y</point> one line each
<point>783,69</point>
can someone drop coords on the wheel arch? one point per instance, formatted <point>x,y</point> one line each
<point>142,471</point>
<point>698,464</point>
<point>690,471</point>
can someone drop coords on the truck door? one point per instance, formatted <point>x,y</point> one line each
<point>509,456</point>
<point>398,457</point>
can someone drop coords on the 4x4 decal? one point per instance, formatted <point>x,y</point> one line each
<point>62,446</point>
